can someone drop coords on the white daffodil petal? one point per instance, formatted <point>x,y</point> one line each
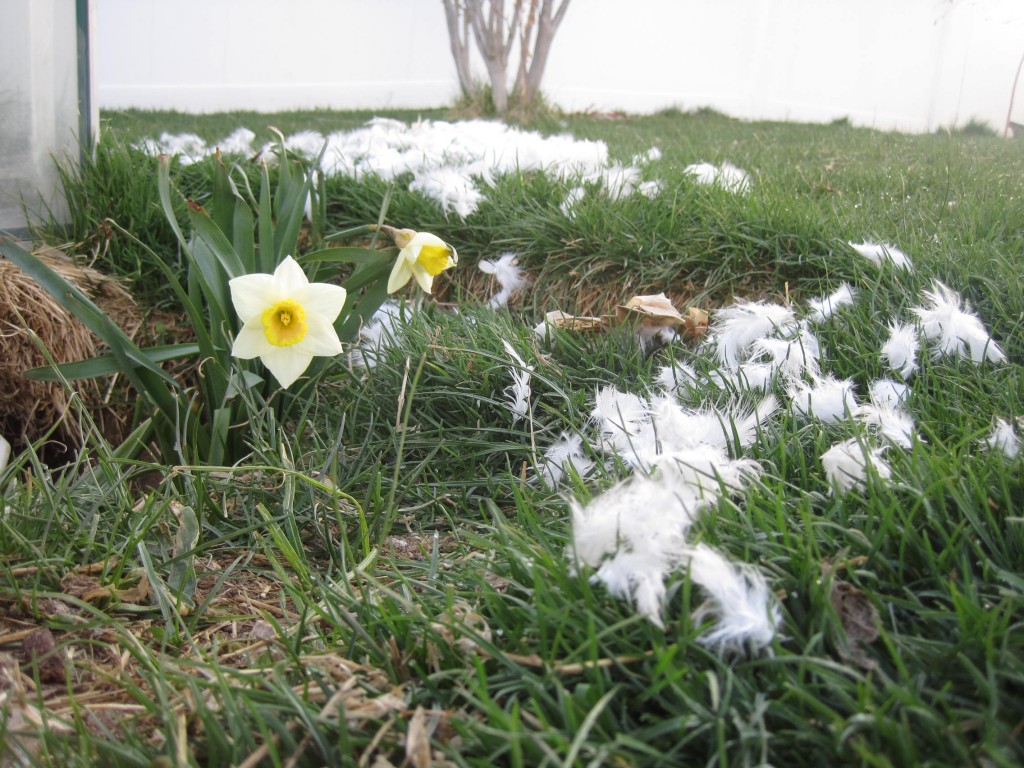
<point>424,278</point>
<point>419,240</point>
<point>251,294</point>
<point>251,341</point>
<point>290,277</point>
<point>320,338</point>
<point>400,274</point>
<point>322,299</point>
<point>286,363</point>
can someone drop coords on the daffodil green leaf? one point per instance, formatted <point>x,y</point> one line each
<point>107,364</point>
<point>348,255</point>
<point>240,382</point>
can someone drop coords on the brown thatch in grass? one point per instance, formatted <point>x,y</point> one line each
<point>30,409</point>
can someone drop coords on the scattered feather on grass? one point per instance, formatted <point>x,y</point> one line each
<point>381,332</point>
<point>824,308</point>
<point>893,423</point>
<point>566,453</point>
<point>678,379</point>
<point>888,393</point>
<point>1004,438</point>
<point>746,612</point>
<point>900,350</point>
<point>879,254</point>
<point>508,274</point>
<point>955,330</point>
<point>518,393</point>
<point>846,465</point>
<point>634,534</point>
<point>726,176</point>
<point>795,356</point>
<point>828,399</point>
<point>739,325</point>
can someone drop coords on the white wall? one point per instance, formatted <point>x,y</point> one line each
<point>906,64</point>
<point>267,55</point>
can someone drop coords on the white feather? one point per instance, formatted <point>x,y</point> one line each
<point>679,379</point>
<point>650,188</point>
<point>955,331</point>
<point>878,254</point>
<point>795,356</point>
<point>846,465</point>
<point>518,393</point>
<point>453,189</point>
<point>380,333</point>
<point>900,351</point>
<point>565,453</point>
<point>1003,438</point>
<point>635,535</point>
<point>239,142</point>
<point>681,428</point>
<point>738,326</point>
<point>888,393</point>
<point>747,377</point>
<point>746,612</point>
<point>727,176</point>
<point>187,147</point>
<point>509,275</point>
<point>891,422</point>
<point>572,200</point>
<point>823,309</point>
<point>828,399</point>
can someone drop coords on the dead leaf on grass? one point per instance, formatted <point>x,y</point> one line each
<point>567,322</point>
<point>652,312</point>
<point>655,312</point>
<point>417,740</point>
<point>859,620</point>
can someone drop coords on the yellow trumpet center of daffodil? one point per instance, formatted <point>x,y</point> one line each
<point>434,258</point>
<point>284,323</point>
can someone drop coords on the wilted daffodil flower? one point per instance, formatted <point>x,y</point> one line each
<point>286,319</point>
<point>423,256</point>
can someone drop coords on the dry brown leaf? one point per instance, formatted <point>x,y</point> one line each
<point>417,740</point>
<point>859,620</point>
<point>656,311</point>
<point>567,322</point>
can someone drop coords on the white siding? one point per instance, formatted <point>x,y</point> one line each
<point>906,64</point>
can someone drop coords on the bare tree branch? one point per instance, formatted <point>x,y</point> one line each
<point>459,39</point>
<point>531,26</point>
<point>547,25</point>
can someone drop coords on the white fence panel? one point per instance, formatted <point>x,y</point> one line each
<point>910,65</point>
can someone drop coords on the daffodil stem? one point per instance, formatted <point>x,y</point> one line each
<point>346,234</point>
<point>390,511</point>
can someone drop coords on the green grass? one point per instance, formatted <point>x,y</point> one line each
<point>378,572</point>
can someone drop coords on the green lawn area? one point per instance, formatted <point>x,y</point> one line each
<point>382,579</point>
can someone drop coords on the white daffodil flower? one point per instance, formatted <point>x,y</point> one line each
<point>423,256</point>
<point>286,320</point>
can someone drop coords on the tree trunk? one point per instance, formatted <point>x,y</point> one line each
<point>547,24</point>
<point>458,36</point>
<point>533,27</point>
<point>525,48</point>
<point>494,44</point>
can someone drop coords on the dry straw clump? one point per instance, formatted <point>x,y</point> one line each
<point>30,316</point>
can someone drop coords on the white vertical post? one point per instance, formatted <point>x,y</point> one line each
<point>40,99</point>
